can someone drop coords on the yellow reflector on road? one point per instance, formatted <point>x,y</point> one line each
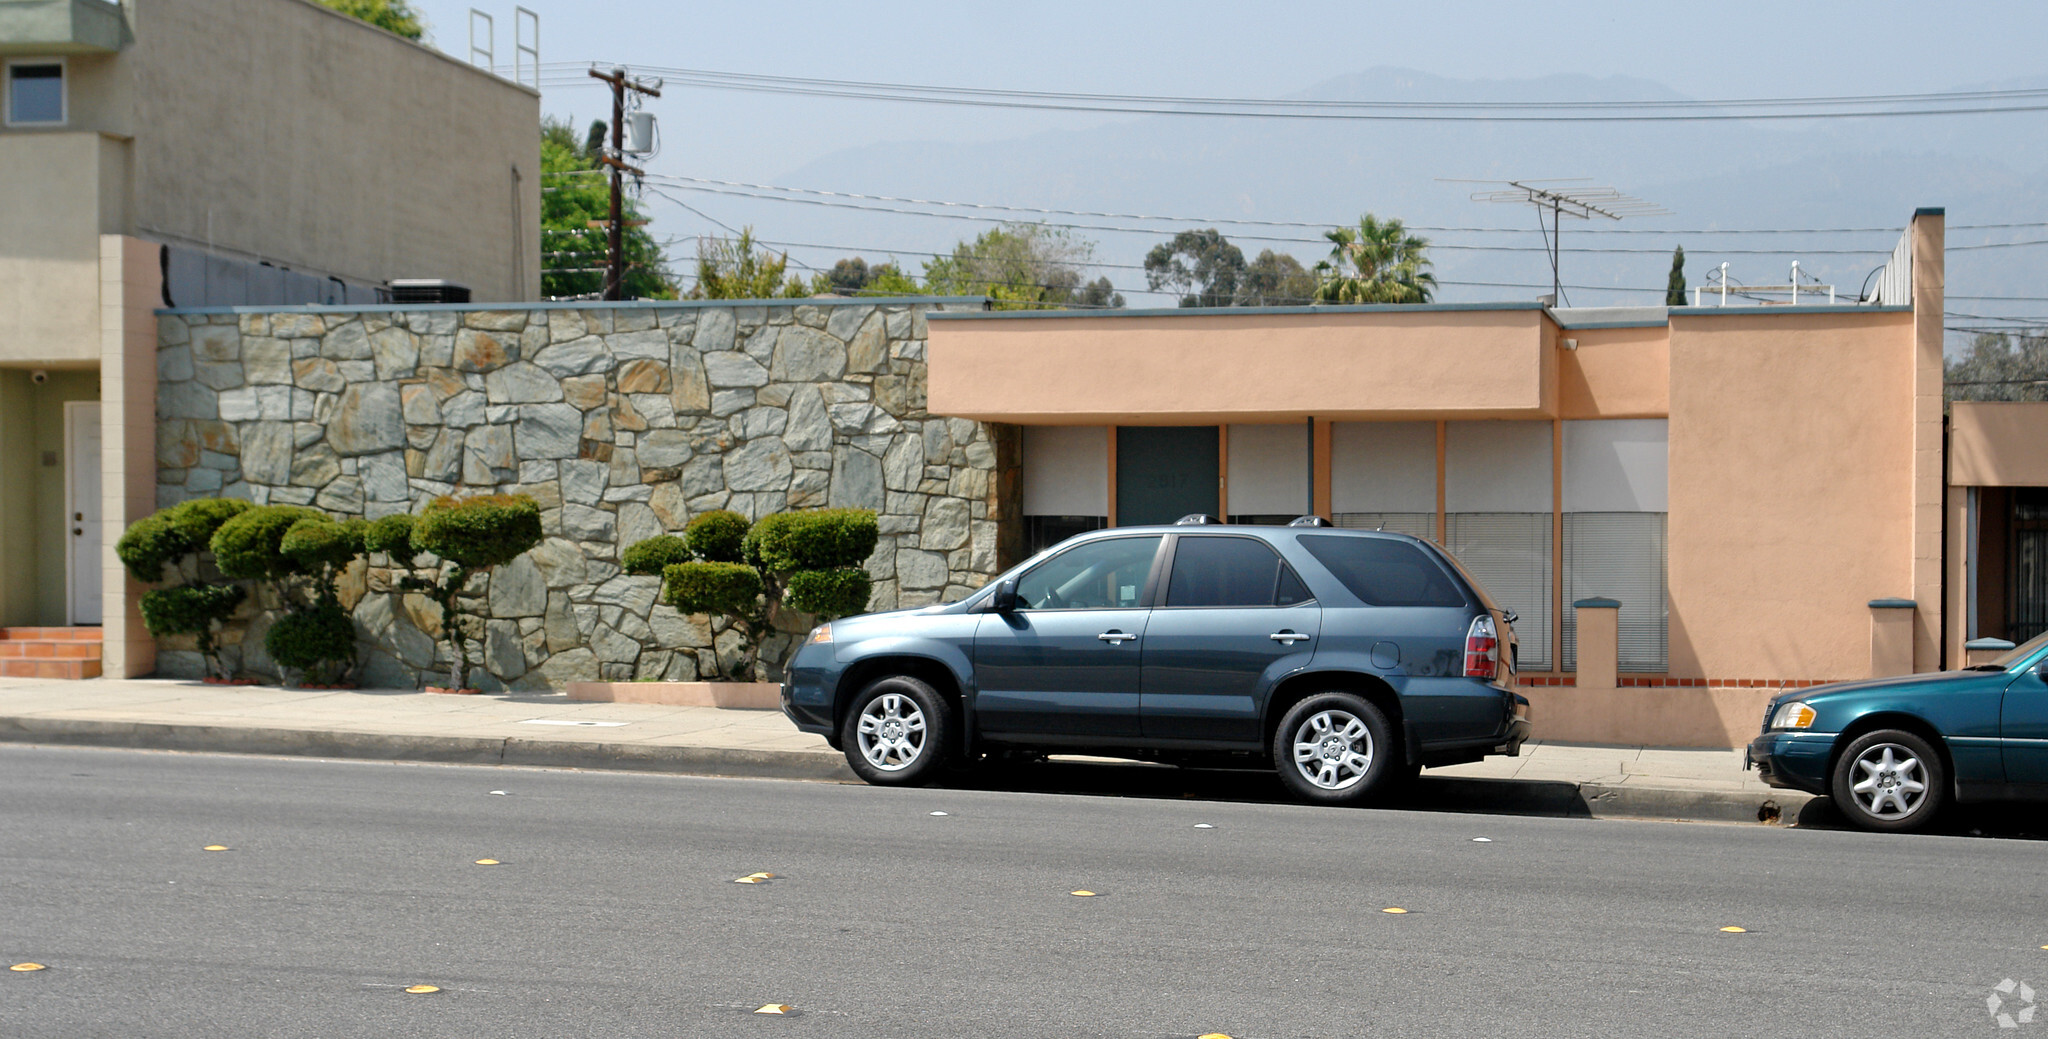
<point>775,1008</point>
<point>1735,930</point>
<point>215,847</point>
<point>1396,910</point>
<point>1082,894</point>
<point>488,862</point>
<point>421,990</point>
<point>1212,1035</point>
<point>28,967</point>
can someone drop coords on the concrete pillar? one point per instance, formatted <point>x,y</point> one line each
<point>1983,651</point>
<point>1891,637</point>
<point>1598,647</point>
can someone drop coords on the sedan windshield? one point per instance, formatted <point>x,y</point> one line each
<point>2016,654</point>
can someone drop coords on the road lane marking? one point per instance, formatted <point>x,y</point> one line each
<point>26,967</point>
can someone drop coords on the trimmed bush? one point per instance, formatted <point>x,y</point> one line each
<point>314,641</point>
<point>820,539</point>
<point>249,544</point>
<point>481,532</point>
<point>190,609</point>
<point>730,589</point>
<point>718,536</point>
<point>200,517</point>
<point>654,555</point>
<point>311,544</point>
<point>838,592</point>
<point>168,535</point>
<point>392,535</point>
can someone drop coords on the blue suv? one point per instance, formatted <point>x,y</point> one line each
<point>1346,659</point>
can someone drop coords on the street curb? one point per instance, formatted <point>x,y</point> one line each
<point>466,750</point>
<point>1455,794</point>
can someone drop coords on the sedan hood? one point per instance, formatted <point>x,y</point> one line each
<point>1930,682</point>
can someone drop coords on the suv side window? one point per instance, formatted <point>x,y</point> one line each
<point>1383,571</point>
<point>1231,571</point>
<point>1098,575</point>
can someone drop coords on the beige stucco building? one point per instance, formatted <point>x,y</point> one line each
<point>1749,498</point>
<point>208,152</point>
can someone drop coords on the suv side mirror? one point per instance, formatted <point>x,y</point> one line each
<point>1005,599</point>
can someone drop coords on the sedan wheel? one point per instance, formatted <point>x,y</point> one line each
<point>895,731</point>
<point>1889,780</point>
<point>1335,748</point>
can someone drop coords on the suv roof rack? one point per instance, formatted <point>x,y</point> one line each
<point>1309,521</point>
<point>1196,519</point>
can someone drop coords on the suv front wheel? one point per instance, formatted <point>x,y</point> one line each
<point>896,732</point>
<point>1335,748</point>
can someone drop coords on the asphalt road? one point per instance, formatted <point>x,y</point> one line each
<point>614,912</point>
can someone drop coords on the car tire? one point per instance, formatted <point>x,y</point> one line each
<point>1890,780</point>
<point>897,732</point>
<point>1336,748</point>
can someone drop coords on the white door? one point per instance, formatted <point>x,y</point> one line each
<point>82,509</point>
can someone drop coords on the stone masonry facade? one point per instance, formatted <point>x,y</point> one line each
<point>622,420</point>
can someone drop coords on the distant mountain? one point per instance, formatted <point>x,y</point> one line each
<point>1736,175</point>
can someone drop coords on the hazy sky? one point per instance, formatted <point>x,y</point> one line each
<point>1728,49</point>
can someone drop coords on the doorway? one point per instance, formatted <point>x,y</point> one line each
<point>82,563</point>
<point>1166,472</point>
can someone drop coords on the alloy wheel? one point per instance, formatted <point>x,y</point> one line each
<point>1333,749</point>
<point>892,732</point>
<point>1889,782</point>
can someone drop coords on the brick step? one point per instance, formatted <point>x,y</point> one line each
<point>44,649</point>
<point>19,667</point>
<point>52,634</point>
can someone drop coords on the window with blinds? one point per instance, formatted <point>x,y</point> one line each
<point>1620,556</point>
<point>1509,554</point>
<point>1419,524</point>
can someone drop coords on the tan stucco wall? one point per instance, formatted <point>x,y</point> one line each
<point>1198,370</point>
<point>1998,444</point>
<point>49,247</point>
<point>1615,373</point>
<point>130,288</point>
<point>282,131</point>
<point>1791,493</point>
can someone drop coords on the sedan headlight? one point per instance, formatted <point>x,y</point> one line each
<point>1794,715</point>
<point>821,633</point>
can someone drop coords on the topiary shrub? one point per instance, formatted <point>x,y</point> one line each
<point>320,549</point>
<point>469,536</point>
<point>717,536</point>
<point>742,576</point>
<point>654,555</point>
<point>250,545</point>
<point>319,642</point>
<point>165,539</point>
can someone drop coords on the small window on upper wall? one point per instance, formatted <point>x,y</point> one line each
<point>35,93</point>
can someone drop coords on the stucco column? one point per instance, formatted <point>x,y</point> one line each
<point>1983,651</point>
<point>1891,637</point>
<point>1929,296</point>
<point>131,289</point>
<point>1599,647</point>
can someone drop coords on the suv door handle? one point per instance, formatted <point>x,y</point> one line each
<point>1286,638</point>
<point>1115,638</point>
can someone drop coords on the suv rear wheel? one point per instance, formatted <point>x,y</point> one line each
<point>1336,748</point>
<point>896,731</point>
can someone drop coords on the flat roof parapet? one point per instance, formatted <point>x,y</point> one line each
<point>591,304</point>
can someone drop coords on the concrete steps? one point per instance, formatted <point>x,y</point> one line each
<point>64,653</point>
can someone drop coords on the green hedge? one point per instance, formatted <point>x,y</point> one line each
<point>306,639</point>
<point>392,535</point>
<point>839,592</point>
<point>718,536</point>
<point>714,588</point>
<point>479,532</point>
<point>189,609</point>
<point>311,544</point>
<point>168,535</point>
<point>821,539</point>
<point>249,545</point>
<point>654,555</point>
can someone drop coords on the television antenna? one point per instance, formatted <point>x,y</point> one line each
<point>1576,197</point>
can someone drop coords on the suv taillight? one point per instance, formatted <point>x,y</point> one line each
<point>1482,649</point>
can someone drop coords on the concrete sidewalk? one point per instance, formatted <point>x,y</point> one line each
<point>538,729</point>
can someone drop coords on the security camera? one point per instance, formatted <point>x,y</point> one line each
<point>39,376</point>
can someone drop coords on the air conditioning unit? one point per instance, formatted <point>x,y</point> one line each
<point>428,290</point>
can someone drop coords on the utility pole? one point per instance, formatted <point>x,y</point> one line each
<point>615,263</point>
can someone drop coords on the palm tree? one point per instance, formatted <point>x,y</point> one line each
<point>1375,262</point>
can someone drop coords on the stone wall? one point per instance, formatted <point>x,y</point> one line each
<point>623,420</point>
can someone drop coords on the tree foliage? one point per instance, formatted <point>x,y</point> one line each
<point>1020,266</point>
<point>737,268</point>
<point>1376,262</point>
<point>392,16</point>
<point>575,193</point>
<point>1674,286</point>
<point>2001,367</point>
<point>465,537</point>
<point>853,276</point>
<point>1276,280</point>
<point>1201,267</point>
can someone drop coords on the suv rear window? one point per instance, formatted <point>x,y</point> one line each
<point>1383,571</point>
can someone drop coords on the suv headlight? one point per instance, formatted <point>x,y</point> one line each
<point>1794,715</point>
<point>821,633</point>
